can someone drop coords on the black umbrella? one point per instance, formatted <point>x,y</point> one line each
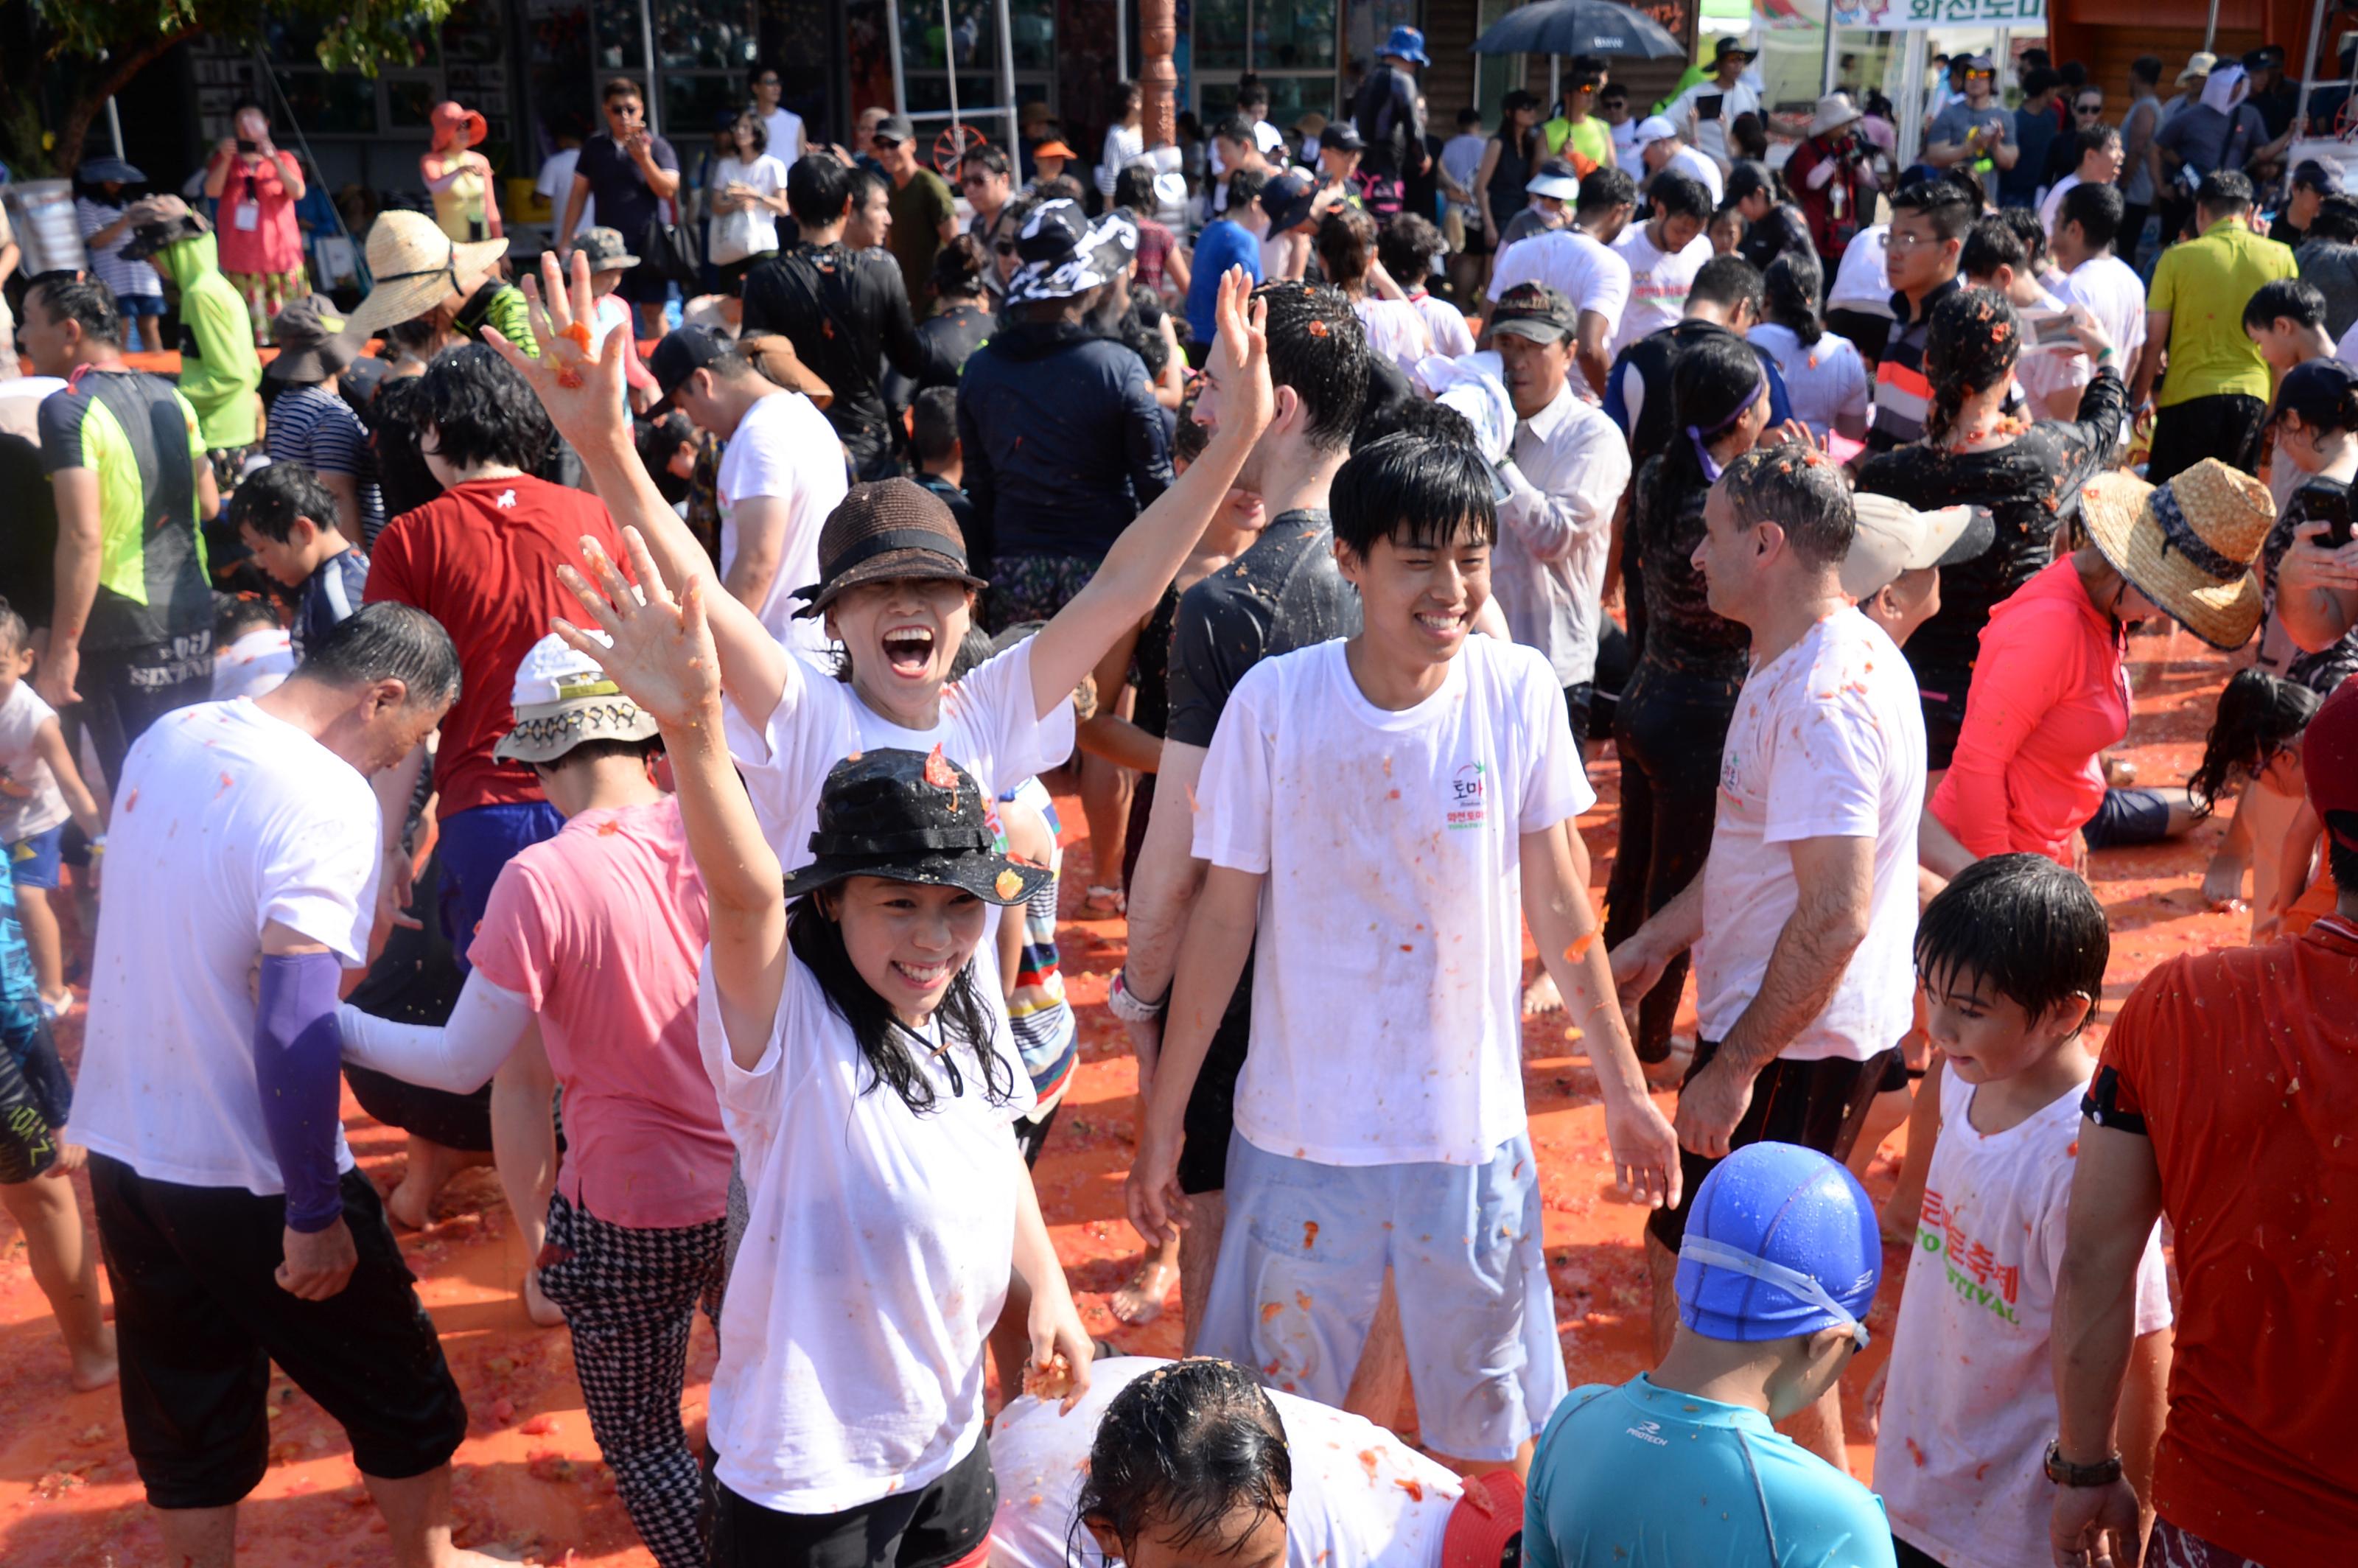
<point>1579,27</point>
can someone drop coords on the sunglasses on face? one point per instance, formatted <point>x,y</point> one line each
<point>1005,247</point>
<point>2091,108</point>
<point>767,82</point>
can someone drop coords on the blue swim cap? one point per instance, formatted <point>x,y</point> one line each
<point>1780,1241</point>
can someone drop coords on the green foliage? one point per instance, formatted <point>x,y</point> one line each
<point>354,35</point>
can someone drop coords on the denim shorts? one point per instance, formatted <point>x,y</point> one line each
<point>475,844</point>
<point>1302,1265</point>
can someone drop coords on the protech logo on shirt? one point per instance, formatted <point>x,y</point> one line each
<point>1465,808</point>
<point>1649,1432</point>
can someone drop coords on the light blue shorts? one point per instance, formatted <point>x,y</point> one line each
<point>1302,1265</point>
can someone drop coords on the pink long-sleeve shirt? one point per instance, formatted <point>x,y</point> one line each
<point>2047,697</point>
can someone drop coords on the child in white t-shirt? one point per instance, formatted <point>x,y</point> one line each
<point>1382,815</point>
<point>40,792</point>
<point>2011,957</point>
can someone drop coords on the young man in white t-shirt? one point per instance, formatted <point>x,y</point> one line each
<point>2087,224</point>
<point>1664,254</point>
<point>2011,957</point>
<point>1380,814</point>
<point>780,475</point>
<point>1802,916</point>
<point>784,125</point>
<point>235,1229</point>
<point>1581,263</point>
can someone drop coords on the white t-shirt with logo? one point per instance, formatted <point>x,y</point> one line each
<point>783,447</point>
<point>225,819</point>
<point>874,1263</point>
<point>30,803</point>
<point>1362,1499</point>
<point>1389,959</point>
<point>1970,1400</point>
<point>1827,742</point>
<point>1659,281</point>
<point>1586,270</point>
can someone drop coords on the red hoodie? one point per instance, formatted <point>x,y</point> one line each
<point>2047,697</point>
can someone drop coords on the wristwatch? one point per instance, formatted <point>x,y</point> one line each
<point>2063,1473</point>
<point>1123,1003</point>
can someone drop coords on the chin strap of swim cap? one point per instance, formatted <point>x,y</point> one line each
<point>1703,1250</point>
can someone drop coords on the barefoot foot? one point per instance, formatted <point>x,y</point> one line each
<point>1541,997</point>
<point>1139,1302</point>
<point>95,1367</point>
<point>429,1168</point>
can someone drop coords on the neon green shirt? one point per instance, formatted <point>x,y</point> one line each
<point>2203,285</point>
<point>219,367</point>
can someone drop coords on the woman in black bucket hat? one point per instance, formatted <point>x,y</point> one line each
<point>869,1089</point>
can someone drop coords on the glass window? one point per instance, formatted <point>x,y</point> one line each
<point>1220,38</point>
<point>1297,36</point>
<point>691,35</point>
<point>693,105</point>
<point>620,45</point>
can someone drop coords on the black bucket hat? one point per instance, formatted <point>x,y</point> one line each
<point>911,816</point>
<point>884,529</point>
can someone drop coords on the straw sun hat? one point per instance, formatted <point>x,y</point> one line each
<point>2187,545</point>
<point>416,265</point>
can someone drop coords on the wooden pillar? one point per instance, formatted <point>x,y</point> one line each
<point>1158,36</point>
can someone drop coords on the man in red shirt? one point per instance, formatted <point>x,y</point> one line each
<point>2225,1097</point>
<point>482,559</point>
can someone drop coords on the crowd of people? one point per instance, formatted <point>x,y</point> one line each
<point>625,697</point>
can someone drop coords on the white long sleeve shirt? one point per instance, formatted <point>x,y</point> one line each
<point>1570,466</point>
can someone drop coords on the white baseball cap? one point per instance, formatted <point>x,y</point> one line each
<point>1655,128</point>
<point>1893,537</point>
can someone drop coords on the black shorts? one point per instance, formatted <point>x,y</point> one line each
<point>1820,1105</point>
<point>945,1522</point>
<point>200,1319</point>
<point>1212,1106</point>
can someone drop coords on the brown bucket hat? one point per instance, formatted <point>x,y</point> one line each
<point>880,531</point>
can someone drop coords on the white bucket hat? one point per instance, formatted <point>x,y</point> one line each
<point>1834,110</point>
<point>414,265</point>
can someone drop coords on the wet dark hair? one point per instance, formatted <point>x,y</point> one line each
<point>1970,345</point>
<point>1346,243</point>
<point>621,87</point>
<point>1944,203</point>
<point>933,422</point>
<point>2336,220</point>
<point>865,183</point>
<point>1414,491</point>
<point>2039,79</point>
<point>960,266</point>
<point>2090,139</point>
<point>656,440</point>
<point>817,188</point>
<point>2293,298</point>
<point>1407,246</point>
<point>1418,415</point>
<point>2025,926</point>
<point>1992,243</point>
<point>1235,128</point>
<point>1748,134</point>
<point>1674,195</point>
<point>889,1047</point>
<point>1317,347</point>
<point>1728,282</point>
<point>269,501</point>
<point>1801,491</point>
<point>1716,378</point>
<point>2223,193</point>
<point>1244,186</point>
<point>1789,289</point>
<point>2027,228</point>
<point>234,614</point>
<point>989,159</point>
<point>1602,189</point>
<point>1748,177</point>
<point>388,641</point>
<point>1181,1451</point>
<point>2145,68</point>
<point>482,411</point>
<point>2258,716</point>
<point>1134,187</point>
<point>85,300</point>
<point>2099,210</point>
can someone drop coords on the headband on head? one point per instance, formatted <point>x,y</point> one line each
<point>1701,436</point>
